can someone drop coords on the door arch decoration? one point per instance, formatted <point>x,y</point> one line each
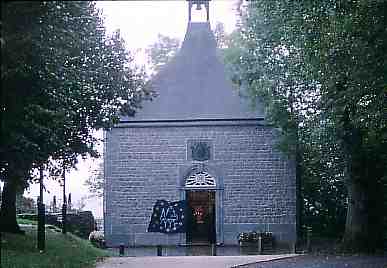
<point>200,179</point>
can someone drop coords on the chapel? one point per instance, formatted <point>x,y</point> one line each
<point>199,141</point>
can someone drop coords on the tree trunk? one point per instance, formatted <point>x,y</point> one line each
<point>364,172</point>
<point>8,221</point>
<point>364,223</point>
<point>356,221</point>
<point>299,197</point>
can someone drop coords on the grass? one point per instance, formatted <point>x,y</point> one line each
<point>24,221</point>
<point>62,251</point>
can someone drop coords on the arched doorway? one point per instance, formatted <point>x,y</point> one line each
<point>200,188</point>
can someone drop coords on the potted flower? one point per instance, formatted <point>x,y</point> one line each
<point>248,238</point>
<point>251,240</point>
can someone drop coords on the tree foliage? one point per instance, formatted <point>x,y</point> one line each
<point>320,68</point>
<point>25,204</point>
<point>62,77</point>
<point>95,182</point>
<point>162,51</point>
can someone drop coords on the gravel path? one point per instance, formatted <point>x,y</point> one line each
<point>324,262</point>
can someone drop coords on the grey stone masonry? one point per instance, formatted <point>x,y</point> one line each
<point>256,186</point>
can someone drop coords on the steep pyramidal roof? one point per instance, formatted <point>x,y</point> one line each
<point>194,85</point>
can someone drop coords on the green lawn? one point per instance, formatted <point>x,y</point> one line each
<point>24,221</point>
<point>62,251</point>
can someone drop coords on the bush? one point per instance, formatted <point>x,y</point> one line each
<point>97,238</point>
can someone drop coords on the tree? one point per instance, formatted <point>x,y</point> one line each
<point>165,48</point>
<point>62,77</point>
<point>162,51</point>
<point>324,64</point>
<point>95,182</point>
<point>221,37</point>
<point>81,204</point>
<point>353,63</point>
<point>25,204</point>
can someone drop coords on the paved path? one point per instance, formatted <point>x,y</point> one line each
<point>187,261</point>
<point>310,261</point>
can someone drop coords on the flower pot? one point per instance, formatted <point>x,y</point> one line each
<point>248,244</point>
<point>248,247</point>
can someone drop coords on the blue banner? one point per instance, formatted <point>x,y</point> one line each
<point>168,217</point>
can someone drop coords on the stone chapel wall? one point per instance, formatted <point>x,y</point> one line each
<point>143,164</point>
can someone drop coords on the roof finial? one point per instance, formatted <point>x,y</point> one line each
<point>198,4</point>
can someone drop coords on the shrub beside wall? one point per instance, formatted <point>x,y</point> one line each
<point>80,224</point>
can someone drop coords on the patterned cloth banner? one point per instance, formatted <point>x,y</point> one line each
<point>168,217</point>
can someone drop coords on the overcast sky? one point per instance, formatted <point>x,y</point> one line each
<point>139,23</point>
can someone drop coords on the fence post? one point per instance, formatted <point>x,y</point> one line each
<point>122,249</point>
<point>260,244</point>
<point>308,238</point>
<point>41,214</point>
<point>64,206</point>
<point>213,249</point>
<point>159,250</point>
<point>41,229</point>
<point>293,248</point>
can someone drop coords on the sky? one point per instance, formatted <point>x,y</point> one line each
<point>139,23</point>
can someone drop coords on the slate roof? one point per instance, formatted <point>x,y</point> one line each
<point>194,85</point>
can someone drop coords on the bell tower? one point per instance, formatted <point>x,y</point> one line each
<point>199,4</point>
